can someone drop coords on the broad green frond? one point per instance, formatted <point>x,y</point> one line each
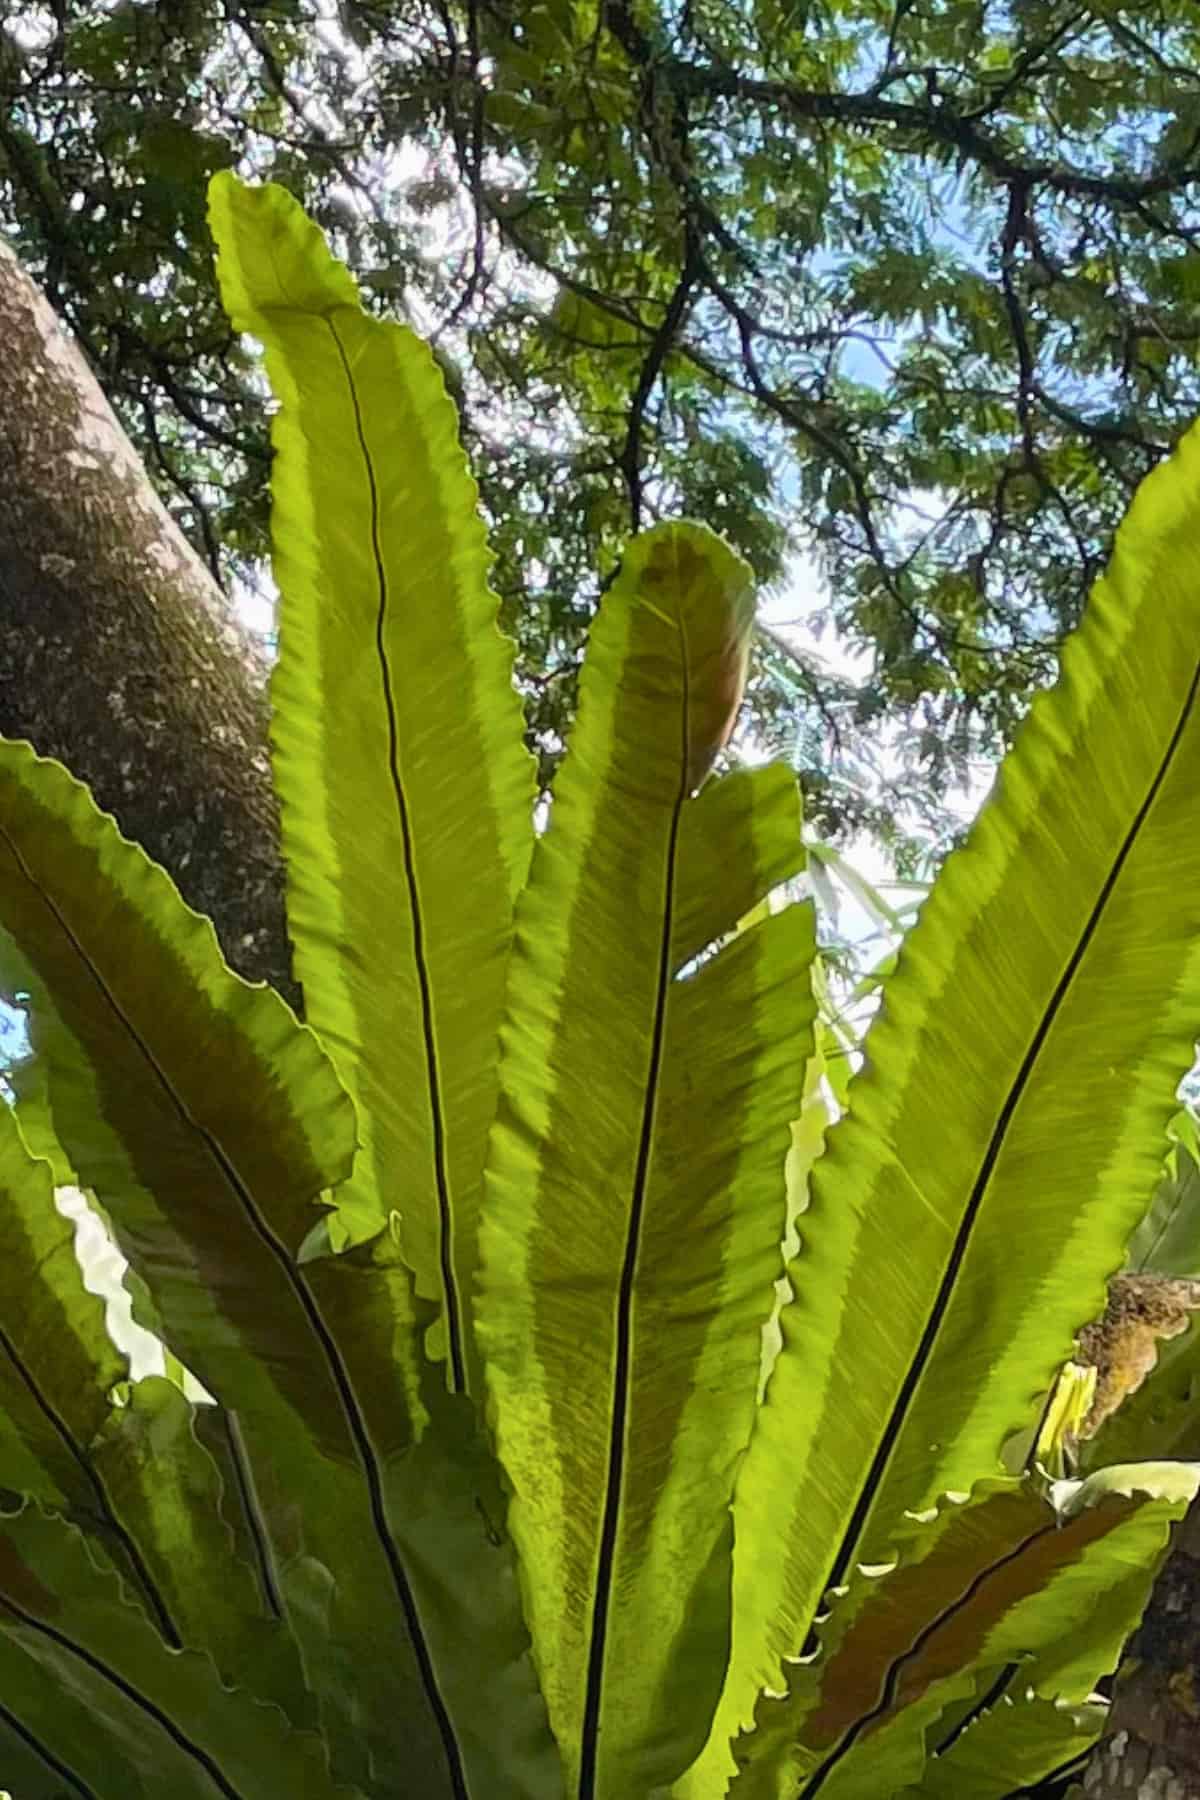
<point>208,1122</point>
<point>406,794</point>
<point>635,1202</point>
<point>1006,1129</point>
<point>85,1676</point>
<point>1000,1594</point>
<point>1008,1748</point>
<point>187,1510</point>
<point>57,1363</point>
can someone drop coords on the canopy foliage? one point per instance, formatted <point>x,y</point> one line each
<point>915,286</point>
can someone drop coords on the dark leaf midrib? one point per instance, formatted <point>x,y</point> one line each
<point>198,1754</point>
<point>610,1521</point>
<point>143,1578</point>
<point>891,1679</point>
<point>984,1704</point>
<point>453,1301</point>
<point>45,1754</point>
<point>256,1525</point>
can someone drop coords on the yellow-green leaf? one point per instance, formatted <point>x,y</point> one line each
<point>636,1200</point>
<point>1008,1123</point>
<point>406,794</point>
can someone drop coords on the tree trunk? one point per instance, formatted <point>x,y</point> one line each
<point>119,655</point>
<point>1151,1749</point>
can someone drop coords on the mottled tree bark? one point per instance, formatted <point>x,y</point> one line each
<point>118,653</point>
<point>1151,1750</point>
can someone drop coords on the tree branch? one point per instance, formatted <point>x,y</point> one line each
<point>938,122</point>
